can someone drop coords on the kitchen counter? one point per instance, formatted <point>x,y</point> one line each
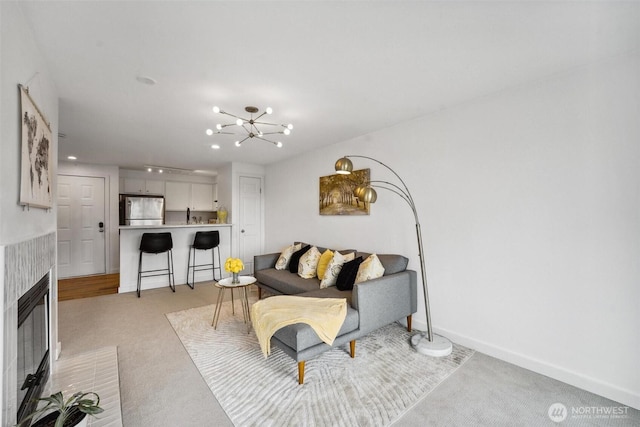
<point>182,236</point>
<point>135,227</point>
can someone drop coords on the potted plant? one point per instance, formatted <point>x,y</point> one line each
<point>66,413</point>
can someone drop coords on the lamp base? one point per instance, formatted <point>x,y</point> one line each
<point>439,347</point>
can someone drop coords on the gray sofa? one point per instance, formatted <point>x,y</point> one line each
<point>370,305</point>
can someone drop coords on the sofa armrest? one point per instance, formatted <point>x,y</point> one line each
<point>263,262</point>
<point>386,299</point>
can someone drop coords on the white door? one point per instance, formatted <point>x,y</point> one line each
<point>81,221</point>
<point>249,220</point>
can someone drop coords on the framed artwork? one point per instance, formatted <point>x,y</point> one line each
<point>336,194</point>
<point>36,162</point>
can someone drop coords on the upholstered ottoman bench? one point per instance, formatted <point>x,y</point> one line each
<point>301,341</point>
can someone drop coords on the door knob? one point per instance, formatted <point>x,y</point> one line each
<point>242,231</point>
<point>101,227</point>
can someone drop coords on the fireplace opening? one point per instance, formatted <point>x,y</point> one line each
<point>33,346</point>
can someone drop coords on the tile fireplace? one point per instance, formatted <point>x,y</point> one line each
<point>24,264</point>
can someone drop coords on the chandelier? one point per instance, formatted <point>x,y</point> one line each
<point>251,127</point>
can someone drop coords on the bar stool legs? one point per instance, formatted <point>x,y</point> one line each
<point>156,243</point>
<point>204,240</point>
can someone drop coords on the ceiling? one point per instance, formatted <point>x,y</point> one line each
<point>335,69</point>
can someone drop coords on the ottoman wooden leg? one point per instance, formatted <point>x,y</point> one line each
<point>409,323</point>
<point>301,372</point>
<point>352,348</point>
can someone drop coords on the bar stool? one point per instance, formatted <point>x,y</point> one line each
<point>157,243</point>
<point>204,240</point>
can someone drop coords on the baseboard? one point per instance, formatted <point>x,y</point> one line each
<point>576,379</point>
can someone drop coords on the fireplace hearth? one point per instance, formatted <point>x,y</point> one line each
<point>33,346</point>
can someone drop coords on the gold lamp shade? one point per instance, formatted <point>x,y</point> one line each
<point>344,166</point>
<point>369,195</point>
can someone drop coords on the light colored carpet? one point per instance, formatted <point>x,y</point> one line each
<point>385,379</point>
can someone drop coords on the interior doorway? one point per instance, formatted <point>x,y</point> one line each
<point>81,226</point>
<point>250,220</point>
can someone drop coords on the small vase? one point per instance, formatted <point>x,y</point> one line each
<point>222,215</point>
<point>235,279</point>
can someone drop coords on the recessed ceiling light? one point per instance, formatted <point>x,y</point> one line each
<point>146,80</point>
<point>72,158</point>
<point>148,169</point>
<point>215,146</point>
<point>159,170</point>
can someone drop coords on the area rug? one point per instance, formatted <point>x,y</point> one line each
<point>385,379</point>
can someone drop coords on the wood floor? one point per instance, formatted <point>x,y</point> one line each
<point>88,286</point>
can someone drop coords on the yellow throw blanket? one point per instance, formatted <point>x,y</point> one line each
<point>324,315</point>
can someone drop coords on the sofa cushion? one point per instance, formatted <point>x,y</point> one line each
<point>334,267</point>
<point>392,263</point>
<point>308,265</point>
<point>323,262</point>
<point>301,336</point>
<point>347,276</point>
<point>285,282</point>
<point>285,256</point>
<point>371,268</point>
<point>294,261</point>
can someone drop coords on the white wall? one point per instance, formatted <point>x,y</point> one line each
<point>23,64</point>
<point>20,62</point>
<point>529,201</point>
<point>111,180</point>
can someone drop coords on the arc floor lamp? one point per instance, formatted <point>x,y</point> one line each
<point>426,342</point>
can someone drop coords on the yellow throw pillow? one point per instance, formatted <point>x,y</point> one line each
<point>324,262</point>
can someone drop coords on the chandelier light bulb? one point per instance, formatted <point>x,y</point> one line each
<point>216,110</point>
<point>269,110</point>
<point>237,143</point>
<point>279,144</point>
<point>219,126</point>
<point>289,126</point>
<point>286,132</point>
<point>215,146</point>
<point>209,132</point>
<point>239,122</point>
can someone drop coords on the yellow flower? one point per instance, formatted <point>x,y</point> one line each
<point>233,265</point>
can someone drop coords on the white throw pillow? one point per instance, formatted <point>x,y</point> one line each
<point>309,263</point>
<point>285,256</point>
<point>334,267</point>
<point>371,268</point>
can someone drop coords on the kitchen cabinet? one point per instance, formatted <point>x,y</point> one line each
<point>177,196</point>
<point>182,195</point>
<point>202,197</point>
<point>143,186</point>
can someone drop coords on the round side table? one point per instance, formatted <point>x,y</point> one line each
<point>222,284</point>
